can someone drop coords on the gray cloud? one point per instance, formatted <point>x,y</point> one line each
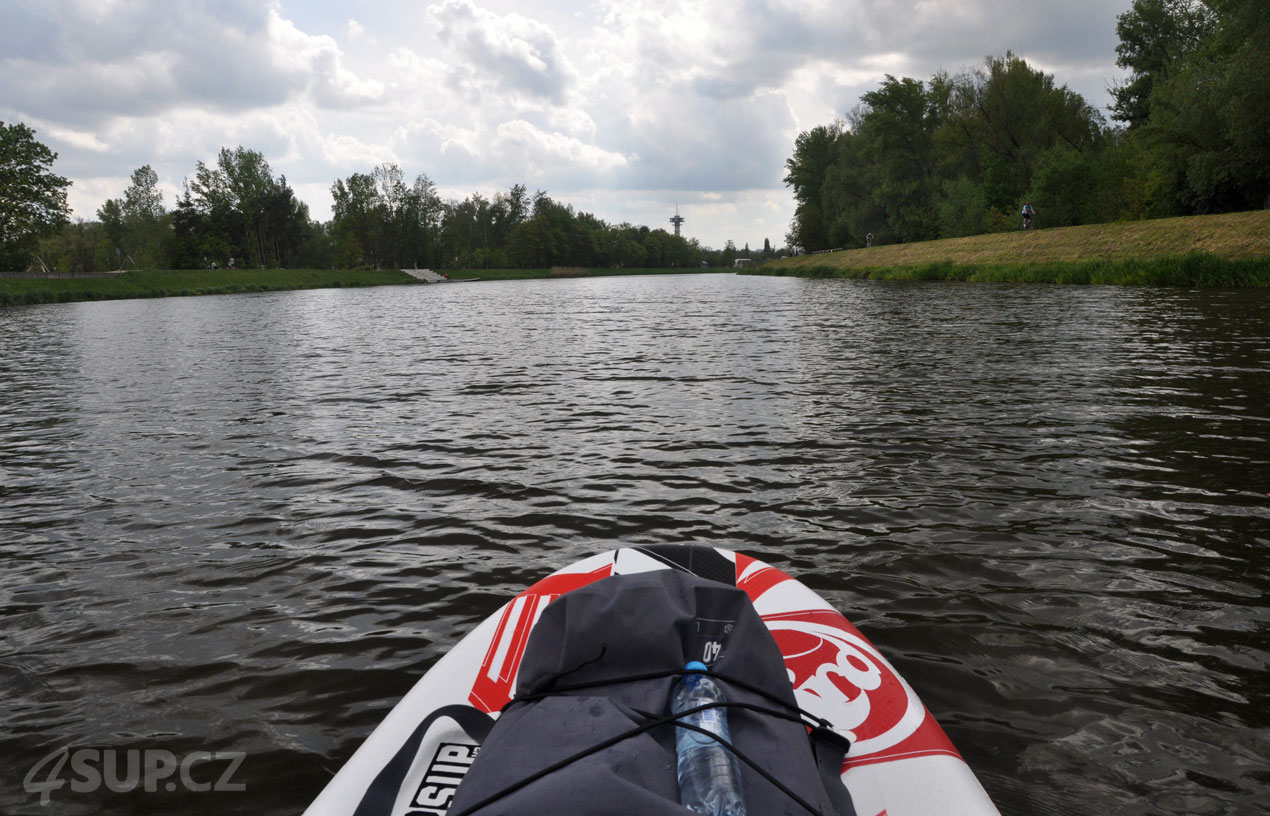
<point>96,61</point>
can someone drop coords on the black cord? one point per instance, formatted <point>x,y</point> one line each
<point>819,722</point>
<point>634,732</point>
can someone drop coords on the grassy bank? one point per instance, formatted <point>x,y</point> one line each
<point>172,283</point>
<point>1232,249</point>
<point>16,291</point>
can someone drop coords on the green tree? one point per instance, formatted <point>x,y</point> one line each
<point>849,201</point>
<point>962,208</point>
<point>421,224</point>
<point>1008,114</point>
<point>32,197</point>
<point>356,218</point>
<point>143,200</point>
<point>188,231</point>
<point>1155,36</point>
<point>899,127</point>
<point>814,154</point>
<point>951,156</point>
<point>137,225</point>
<point>1064,187</point>
<point>78,248</point>
<point>244,213</point>
<point>110,214</point>
<point>1209,119</point>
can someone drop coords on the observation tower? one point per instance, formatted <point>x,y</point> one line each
<point>677,220</point>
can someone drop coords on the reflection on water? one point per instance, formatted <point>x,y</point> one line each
<point>248,523</point>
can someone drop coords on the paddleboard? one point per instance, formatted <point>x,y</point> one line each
<point>900,763</point>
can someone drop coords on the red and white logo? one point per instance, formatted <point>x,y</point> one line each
<point>840,676</point>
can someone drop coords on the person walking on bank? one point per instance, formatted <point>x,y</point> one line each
<point>1028,212</point>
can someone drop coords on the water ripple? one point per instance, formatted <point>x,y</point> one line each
<point>249,523</point>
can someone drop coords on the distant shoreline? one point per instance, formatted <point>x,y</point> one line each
<point>179,283</point>
<point>1228,250</point>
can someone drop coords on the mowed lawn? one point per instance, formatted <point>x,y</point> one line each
<point>1232,236</point>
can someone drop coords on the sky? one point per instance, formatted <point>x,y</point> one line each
<point>625,109</point>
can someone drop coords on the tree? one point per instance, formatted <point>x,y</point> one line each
<point>1012,113</point>
<point>1155,35</point>
<point>110,214</point>
<point>900,129</point>
<point>78,248</point>
<point>244,212</point>
<point>421,223</point>
<point>137,224</point>
<point>814,154</point>
<point>1065,187</point>
<point>32,197</point>
<point>143,200</point>
<point>918,160</point>
<point>188,231</point>
<point>1209,122</point>
<point>355,221</point>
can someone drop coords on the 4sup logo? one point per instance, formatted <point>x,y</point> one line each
<point>127,770</point>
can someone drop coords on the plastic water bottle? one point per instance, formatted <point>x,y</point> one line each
<point>709,777</point>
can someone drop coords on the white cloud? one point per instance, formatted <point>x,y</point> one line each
<point>544,151</point>
<point>318,58</point>
<point>79,139</point>
<point>357,33</point>
<point>354,155</point>
<point>502,52</point>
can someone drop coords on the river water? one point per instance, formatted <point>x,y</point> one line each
<point>246,524</point>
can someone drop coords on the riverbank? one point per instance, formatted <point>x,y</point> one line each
<point>177,283</point>
<point>568,272</point>
<point>1232,249</point>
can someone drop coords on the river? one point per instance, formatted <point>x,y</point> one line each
<point>246,524</point>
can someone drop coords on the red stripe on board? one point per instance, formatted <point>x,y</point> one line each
<point>759,580</point>
<point>502,658</point>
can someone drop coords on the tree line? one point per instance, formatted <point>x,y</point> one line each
<point>960,154</point>
<point>235,210</point>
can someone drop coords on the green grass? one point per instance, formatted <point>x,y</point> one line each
<point>1232,249</point>
<point>1195,269</point>
<point>174,283</point>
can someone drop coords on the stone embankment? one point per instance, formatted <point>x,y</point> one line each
<point>426,275</point>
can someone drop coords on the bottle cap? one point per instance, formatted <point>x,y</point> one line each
<point>696,665</point>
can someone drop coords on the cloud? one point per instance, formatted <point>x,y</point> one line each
<point>318,59</point>
<point>140,58</point>
<point>502,52</point>
<point>544,151</point>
